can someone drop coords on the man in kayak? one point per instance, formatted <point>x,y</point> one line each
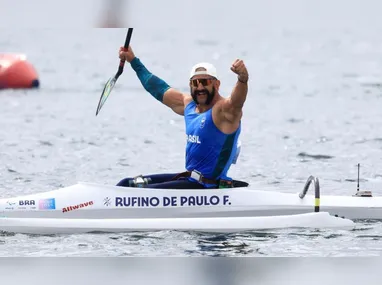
<point>213,124</point>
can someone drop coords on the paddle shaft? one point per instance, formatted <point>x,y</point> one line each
<point>111,82</point>
<point>122,62</point>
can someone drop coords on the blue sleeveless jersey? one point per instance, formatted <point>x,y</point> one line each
<point>208,150</point>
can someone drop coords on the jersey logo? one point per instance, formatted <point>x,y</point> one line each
<point>202,122</point>
<point>193,139</point>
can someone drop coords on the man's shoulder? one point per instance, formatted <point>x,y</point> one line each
<point>220,103</point>
<point>225,115</point>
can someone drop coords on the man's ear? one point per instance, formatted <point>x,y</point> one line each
<point>217,84</point>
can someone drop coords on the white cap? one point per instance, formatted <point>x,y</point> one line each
<point>206,68</point>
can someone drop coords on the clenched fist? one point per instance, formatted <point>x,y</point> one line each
<point>240,69</point>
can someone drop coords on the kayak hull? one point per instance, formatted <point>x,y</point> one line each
<point>217,225</point>
<point>94,201</point>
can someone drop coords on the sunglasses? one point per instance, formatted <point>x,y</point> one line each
<point>203,81</point>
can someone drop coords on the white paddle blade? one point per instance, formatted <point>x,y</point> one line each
<point>105,93</point>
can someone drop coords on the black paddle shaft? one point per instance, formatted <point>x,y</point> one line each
<point>111,82</point>
<point>122,62</point>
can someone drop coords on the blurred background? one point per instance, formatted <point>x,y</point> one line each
<point>64,14</point>
<point>313,108</point>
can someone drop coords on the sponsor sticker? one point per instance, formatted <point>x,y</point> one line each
<point>78,206</point>
<point>47,204</point>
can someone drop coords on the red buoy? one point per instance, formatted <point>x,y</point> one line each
<point>17,72</point>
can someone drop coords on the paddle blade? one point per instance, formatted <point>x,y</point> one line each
<point>105,93</point>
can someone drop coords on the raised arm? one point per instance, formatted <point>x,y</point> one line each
<point>232,107</point>
<point>157,87</point>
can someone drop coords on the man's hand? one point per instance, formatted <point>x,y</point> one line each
<point>127,55</point>
<point>239,68</point>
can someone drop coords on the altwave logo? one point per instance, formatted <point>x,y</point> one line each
<point>78,206</point>
<point>193,139</point>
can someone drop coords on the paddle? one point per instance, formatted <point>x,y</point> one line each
<point>111,82</point>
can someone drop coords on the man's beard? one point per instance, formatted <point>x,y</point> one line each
<point>210,95</point>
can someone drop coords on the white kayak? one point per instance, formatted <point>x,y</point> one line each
<point>86,201</point>
<point>216,225</point>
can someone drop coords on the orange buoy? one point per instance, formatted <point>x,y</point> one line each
<point>17,72</point>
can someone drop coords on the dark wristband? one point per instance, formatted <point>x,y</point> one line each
<point>244,82</point>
